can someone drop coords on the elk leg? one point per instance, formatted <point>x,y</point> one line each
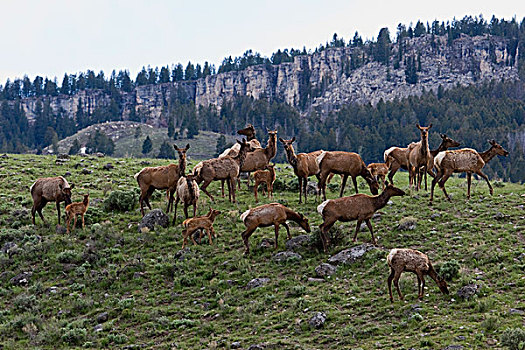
<point>222,188</point>
<point>245,236</point>
<point>422,285</point>
<point>75,221</point>
<point>276,234</point>
<point>425,172</point>
<point>186,210</point>
<point>418,286</point>
<point>170,201</point>
<point>396,284</point>
<point>194,208</point>
<point>469,181</point>
<point>389,282</point>
<point>287,230</point>
<point>203,188</point>
<point>305,183</point>
<point>442,185</point>
<point>382,179</point>
<point>83,223</point>
<point>213,232</point>
<point>68,221</point>
<point>394,167</point>
<point>486,179</point>
<point>39,210</point>
<point>435,180</point>
<point>255,191</point>
<point>359,222</point>
<point>58,210</point>
<point>343,184</point>
<point>325,227</point>
<point>300,189</point>
<point>209,236</point>
<point>371,231</point>
<point>193,238</point>
<point>354,180</point>
<point>232,181</point>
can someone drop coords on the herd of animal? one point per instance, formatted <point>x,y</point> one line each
<point>248,155</point>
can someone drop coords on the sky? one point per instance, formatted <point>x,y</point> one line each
<point>53,37</point>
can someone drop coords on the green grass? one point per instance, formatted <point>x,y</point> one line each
<point>154,299</point>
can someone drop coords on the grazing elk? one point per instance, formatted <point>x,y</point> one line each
<point>419,157</point>
<point>267,215</point>
<point>75,209</point>
<point>360,207</point>
<point>304,165</point>
<point>264,177</point>
<point>225,168</point>
<point>345,164</point>
<point>49,189</point>
<point>163,177</point>
<point>204,223</point>
<point>260,157</point>
<point>188,192</point>
<point>410,260</point>
<point>464,160</point>
<point>379,171</point>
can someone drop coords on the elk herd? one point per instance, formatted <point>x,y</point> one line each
<point>249,156</point>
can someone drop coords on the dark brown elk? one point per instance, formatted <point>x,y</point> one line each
<point>345,164</point>
<point>266,177</point>
<point>419,157</point>
<point>273,214</point>
<point>410,260</point>
<point>304,165</point>
<point>163,177</point>
<point>49,189</point>
<point>203,223</point>
<point>466,160</point>
<point>358,207</point>
<point>379,171</point>
<point>188,192</point>
<point>76,209</point>
<point>225,168</point>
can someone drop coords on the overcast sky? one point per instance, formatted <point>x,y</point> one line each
<point>52,37</point>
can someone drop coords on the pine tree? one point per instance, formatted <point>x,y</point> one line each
<point>147,145</point>
<point>220,146</point>
<point>75,147</point>
<point>138,132</point>
<point>171,126</point>
<point>166,151</point>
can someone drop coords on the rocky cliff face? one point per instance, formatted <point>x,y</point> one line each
<point>321,81</point>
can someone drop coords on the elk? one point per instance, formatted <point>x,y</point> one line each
<point>379,171</point>
<point>267,215</point>
<point>259,158</point>
<point>358,207</point>
<point>304,165</point>
<point>188,192</point>
<point>225,168</point>
<point>163,177</point>
<point>204,223</point>
<point>419,156</point>
<point>464,160</point>
<point>264,177</point>
<point>75,209</point>
<point>346,164</point>
<point>49,189</point>
<point>410,260</point>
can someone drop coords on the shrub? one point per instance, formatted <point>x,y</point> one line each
<point>120,201</point>
<point>69,256</point>
<point>449,270</point>
<point>513,338</point>
<point>74,336</point>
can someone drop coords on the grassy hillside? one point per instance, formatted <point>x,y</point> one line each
<point>110,285</point>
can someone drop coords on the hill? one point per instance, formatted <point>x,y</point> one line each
<point>110,285</point>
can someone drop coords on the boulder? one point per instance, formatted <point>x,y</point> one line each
<point>317,320</point>
<point>286,256</point>
<point>302,242</point>
<point>468,291</point>
<point>257,282</point>
<point>156,217</point>
<point>21,279</point>
<point>325,270</point>
<point>349,256</point>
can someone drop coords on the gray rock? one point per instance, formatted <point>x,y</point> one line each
<point>257,347</point>
<point>99,154</point>
<point>407,224</point>
<point>315,280</point>
<point>63,156</point>
<point>325,269</point>
<point>98,328</point>
<point>266,243</point>
<point>516,312</point>
<point>468,291</point>
<point>435,216</point>
<point>86,171</point>
<point>453,347</point>
<point>103,317</point>
<point>499,216</point>
<point>257,282</point>
<point>286,256</point>
<point>302,242</point>
<point>108,166</point>
<point>153,218</point>
<point>311,188</point>
<point>67,173</point>
<point>317,320</point>
<point>9,247</point>
<point>183,254</point>
<point>235,345</point>
<point>349,256</point>
<point>60,230</point>
<point>21,279</point>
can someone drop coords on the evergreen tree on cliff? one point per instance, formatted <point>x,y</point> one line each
<point>147,145</point>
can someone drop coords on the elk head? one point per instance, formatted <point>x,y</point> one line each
<point>498,149</point>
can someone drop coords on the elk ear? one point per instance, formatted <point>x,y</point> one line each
<point>443,136</point>
<point>175,146</point>
<point>430,125</point>
<point>417,126</point>
<point>72,186</point>
<point>188,146</point>
<point>60,186</point>
<point>293,139</point>
<point>281,139</point>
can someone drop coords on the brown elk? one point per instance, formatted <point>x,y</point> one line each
<point>379,171</point>
<point>264,177</point>
<point>75,209</point>
<point>304,165</point>
<point>346,164</point>
<point>188,192</point>
<point>410,260</point>
<point>163,177</point>
<point>226,168</point>
<point>419,157</point>
<point>260,157</point>
<point>267,215</point>
<point>49,189</point>
<point>204,223</point>
<point>360,207</point>
<point>464,160</point>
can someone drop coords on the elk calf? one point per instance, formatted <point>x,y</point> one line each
<point>49,189</point>
<point>379,171</point>
<point>75,209</point>
<point>358,207</point>
<point>411,260</point>
<point>267,215</point>
<point>199,223</point>
<point>264,177</point>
